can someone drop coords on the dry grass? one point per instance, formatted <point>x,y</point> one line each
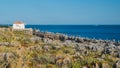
<point>32,54</point>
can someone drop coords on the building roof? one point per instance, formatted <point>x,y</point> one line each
<point>18,22</point>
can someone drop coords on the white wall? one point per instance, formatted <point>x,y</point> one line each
<point>18,26</point>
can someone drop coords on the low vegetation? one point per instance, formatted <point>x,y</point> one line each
<point>19,49</point>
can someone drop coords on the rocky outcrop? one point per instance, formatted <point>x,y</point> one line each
<point>52,50</point>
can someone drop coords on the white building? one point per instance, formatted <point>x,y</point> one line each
<point>19,25</point>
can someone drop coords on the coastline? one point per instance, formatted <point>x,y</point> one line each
<point>99,32</point>
<point>46,49</point>
<point>86,31</point>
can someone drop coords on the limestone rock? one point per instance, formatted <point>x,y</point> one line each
<point>118,64</point>
<point>105,65</point>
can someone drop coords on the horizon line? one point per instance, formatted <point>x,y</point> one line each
<point>65,24</point>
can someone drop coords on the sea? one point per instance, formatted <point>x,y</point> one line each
<point>104,32</point>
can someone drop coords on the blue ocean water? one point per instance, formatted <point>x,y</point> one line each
<point>105,32</point>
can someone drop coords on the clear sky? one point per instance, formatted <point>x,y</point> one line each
<point>60,11</point>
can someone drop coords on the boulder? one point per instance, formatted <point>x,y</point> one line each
<point>4,43</point>
<point>105,65</point>
<point>47,47</point>
<point>118,64</point>
<point>109,48</point>
<point>2,56</point>
<point>7,57</point>
<point>10,56</point>
<point>96,65</point>
<point>78,40</point>
<point>66,61</point>
<point>85,67</point>
<point>15,44</point>
<point>62,38</point>
<point>59,63</point>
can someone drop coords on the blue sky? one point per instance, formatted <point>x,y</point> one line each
<point>88,12</point>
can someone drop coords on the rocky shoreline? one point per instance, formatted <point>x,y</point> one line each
<point>50,50</point>
<point>84,45</point>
